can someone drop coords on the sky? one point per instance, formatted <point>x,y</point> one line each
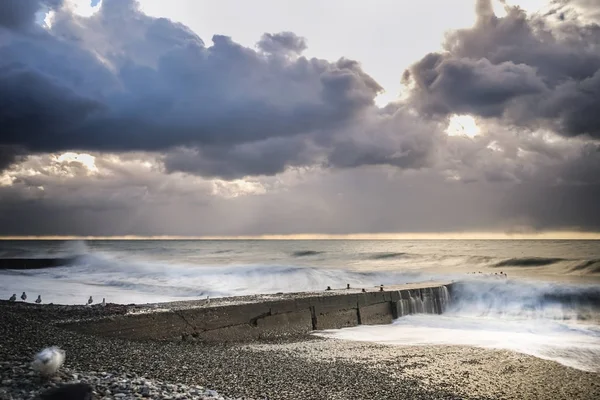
<point>231,118</point>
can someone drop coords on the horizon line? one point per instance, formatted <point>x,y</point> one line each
<point>547,235</point>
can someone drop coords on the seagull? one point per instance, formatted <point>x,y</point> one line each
<point>90,300</point>
<point>23,296</point>
<point>39,299</point>
<point>48,361</point>
<point>13,297</point>
<point>103,302</point>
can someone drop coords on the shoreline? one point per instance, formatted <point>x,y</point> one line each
<point>299,367</point>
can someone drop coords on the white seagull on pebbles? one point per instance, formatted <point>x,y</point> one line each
<point>48,361</point>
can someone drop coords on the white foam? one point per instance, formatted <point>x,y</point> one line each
<point>539,319</point>
<point>573,346</point>
<point>104,275</point>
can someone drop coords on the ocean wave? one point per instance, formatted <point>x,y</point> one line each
<point>127,280</point>
<point>306,253</point>
<point>528,262</point>
<point>552,321</point>
<point>34,263</point>
<point>527,300</point>
<point>589,266</point>
<point>386,256</point>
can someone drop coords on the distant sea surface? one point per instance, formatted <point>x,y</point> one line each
<point>535,297</point>
<point>154,271</point>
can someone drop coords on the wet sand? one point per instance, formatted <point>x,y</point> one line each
<point>302,368</point>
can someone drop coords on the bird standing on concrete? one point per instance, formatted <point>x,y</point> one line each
<point>48,361</point>
<point>90,301</point>
<point>13,297</point>
<point>39,299</point>
<point>23,296</point>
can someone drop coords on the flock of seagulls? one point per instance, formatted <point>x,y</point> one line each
<point>39,299</point>
<point>363,290</point>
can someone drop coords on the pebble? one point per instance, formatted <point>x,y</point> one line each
<point>311,369</point>
<point>16,385</point>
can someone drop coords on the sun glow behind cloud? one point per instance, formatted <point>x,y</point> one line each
<point>87,160</point>
<point>463,125</point>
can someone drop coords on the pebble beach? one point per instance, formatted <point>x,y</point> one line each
<point>299,368</point>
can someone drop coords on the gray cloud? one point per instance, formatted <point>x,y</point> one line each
<point>10,155</point>
<point>282,43</point>
<point>369,200</point>
<point>587,9</point>
<point>174,123</point>
<point>468,86</point>
<point>391,136</point>
<point>20,14</point>
<point>267,157</point>
<point>151,84</point>
<point>525,70</point>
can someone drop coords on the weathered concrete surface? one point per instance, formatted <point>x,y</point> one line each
<point>376,314</point>
<point>264,317</point>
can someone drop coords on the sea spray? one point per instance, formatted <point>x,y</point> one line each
<point>103,274</point>
<point>551,321</point>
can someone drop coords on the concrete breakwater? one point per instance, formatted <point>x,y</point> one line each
<point>268,317</point>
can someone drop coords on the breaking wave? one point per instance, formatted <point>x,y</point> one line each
<point>128,281</point>
<point>525,300</point>
<point>386,256</point>
<point>555,322</point>
<point>306,253</point>
<point>590,266</point>
<point>528,262</point>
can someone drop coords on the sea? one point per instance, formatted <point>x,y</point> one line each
<point>537,297</point>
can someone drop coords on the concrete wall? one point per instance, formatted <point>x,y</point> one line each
<point>271,319</point>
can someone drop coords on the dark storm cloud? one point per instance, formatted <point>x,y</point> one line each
<point>10,155</point>
<point>19,14</point>
<point>123,81</point>
<point>469,86</point>
<point>391,136</point>
<point>164,114</point>
<point>525,70</point>
<point>267,157</point>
